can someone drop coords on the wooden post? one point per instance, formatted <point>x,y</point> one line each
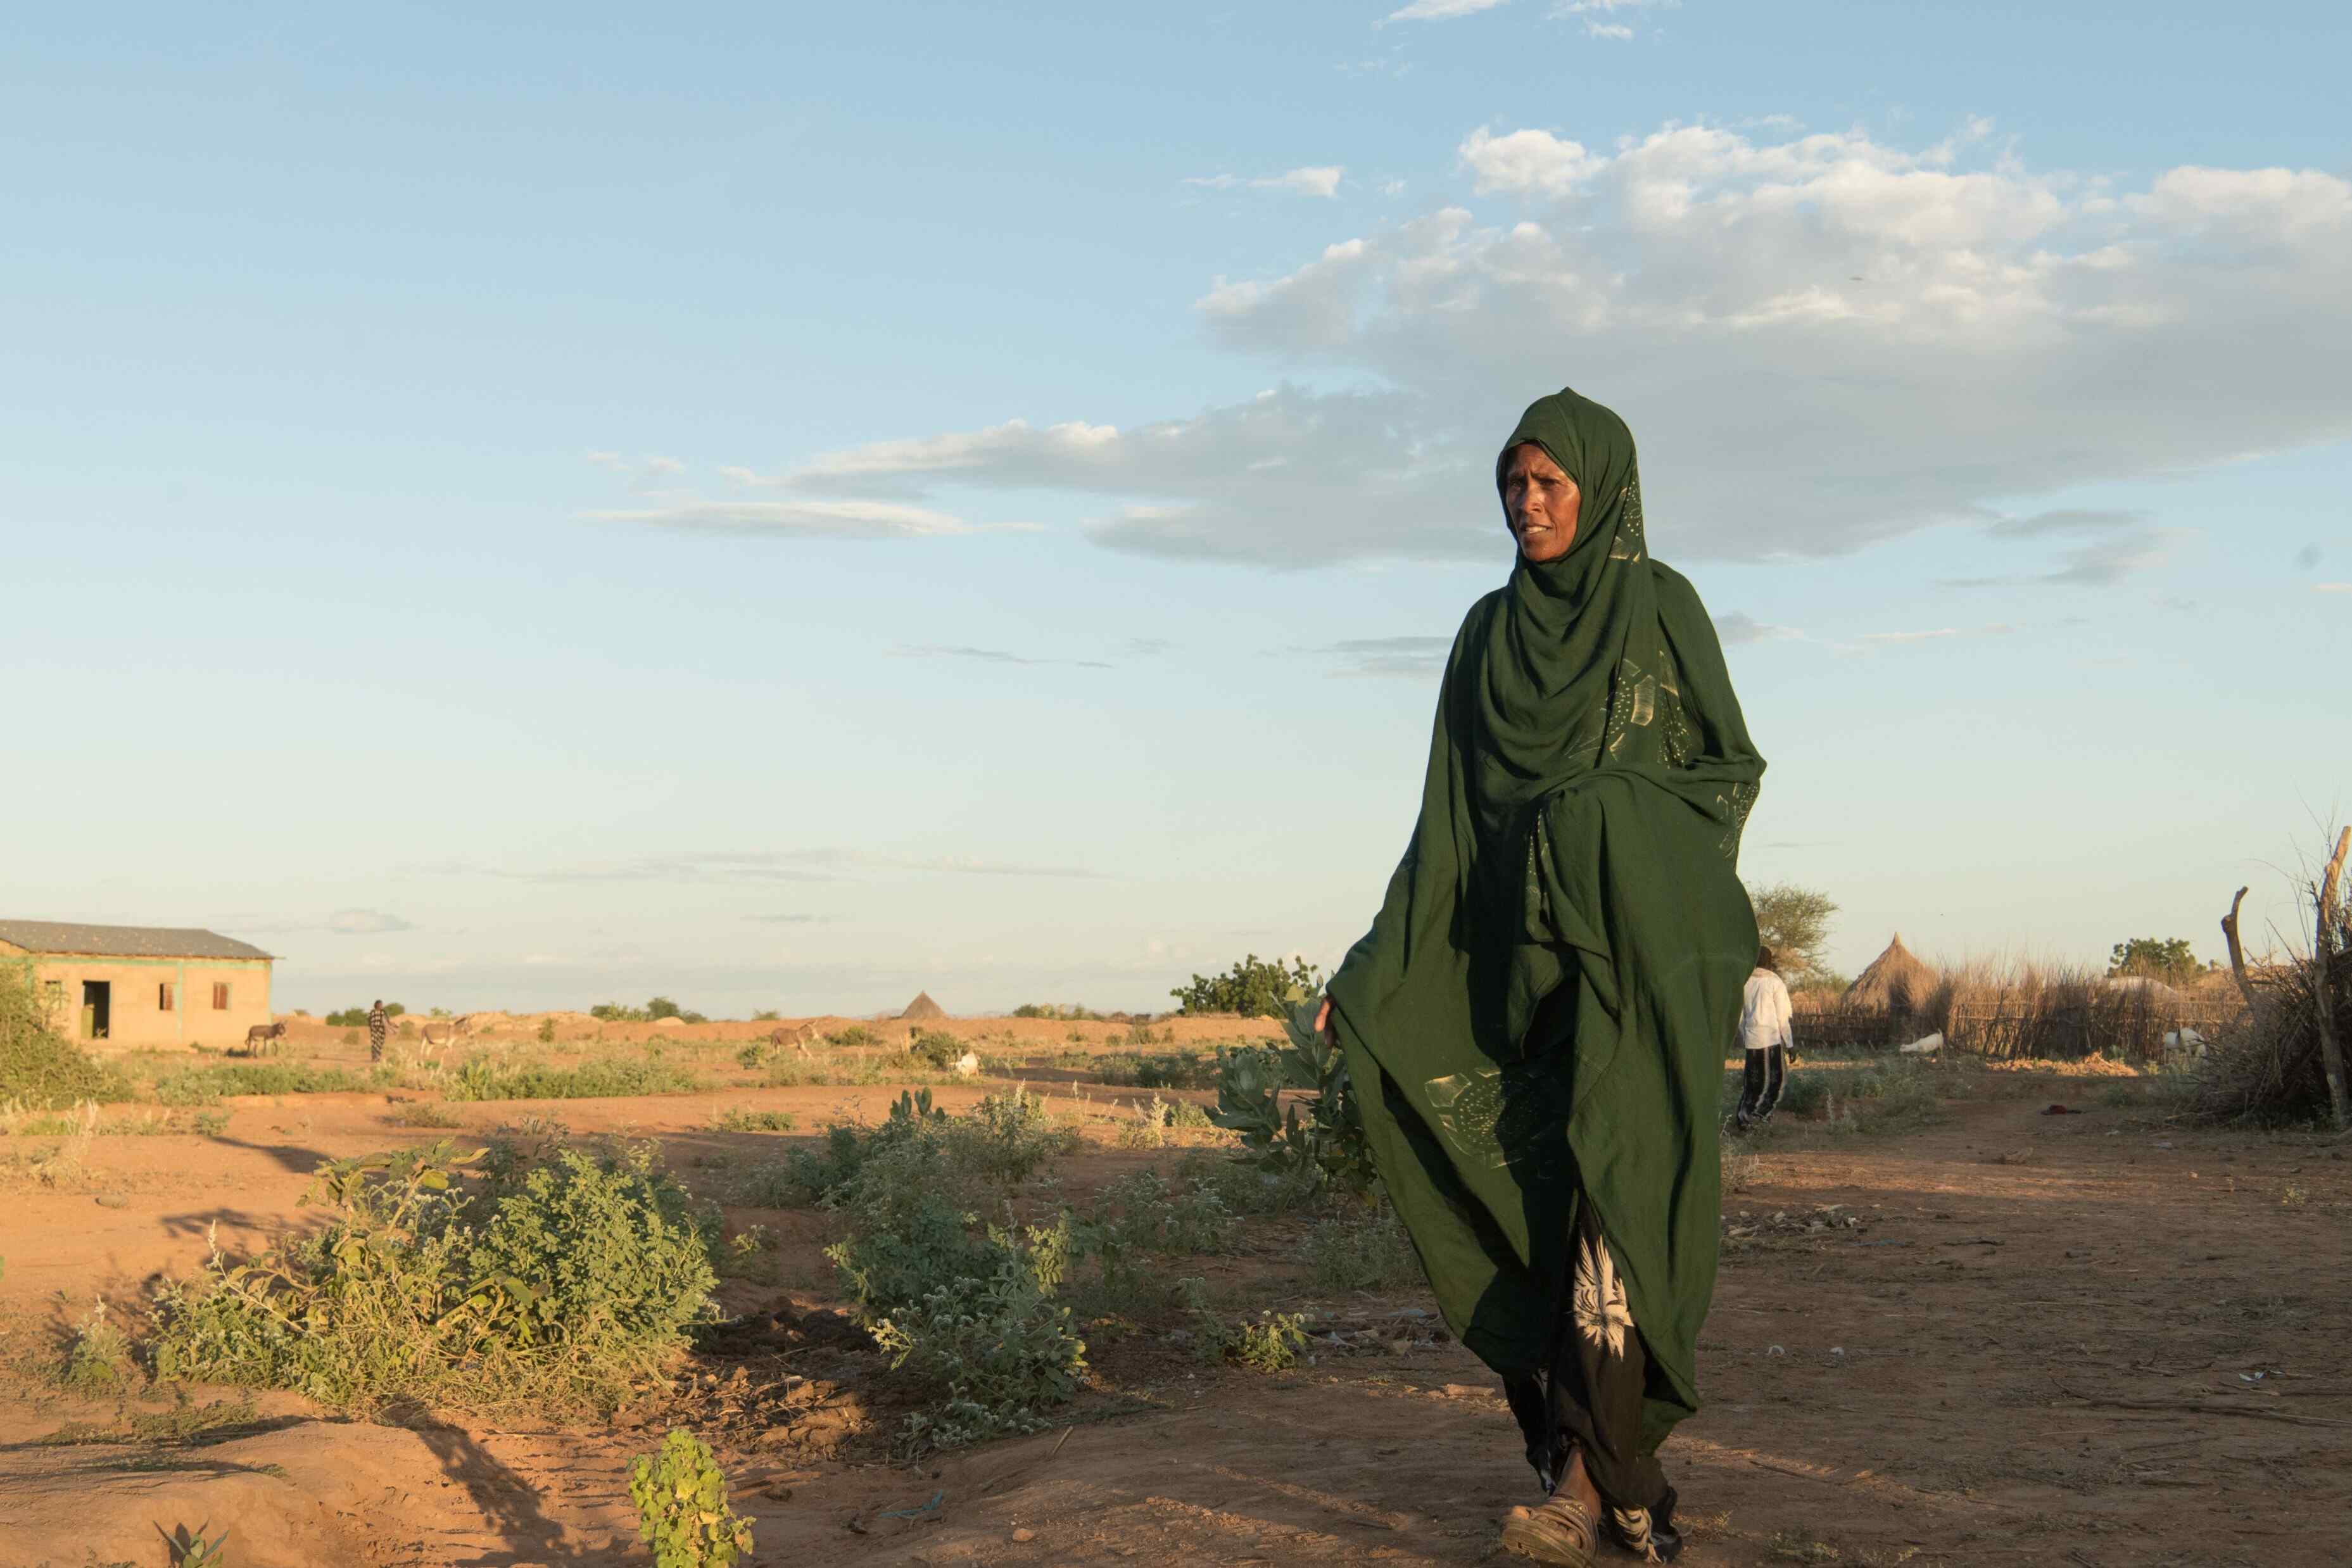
<point>2323,951</point>
<point>2238,953</point>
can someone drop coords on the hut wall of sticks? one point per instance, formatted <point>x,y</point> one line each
<point>2282,1059</point>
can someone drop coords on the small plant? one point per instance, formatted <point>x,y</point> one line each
<point>1329,1139</point>
<point>1146,1129</point>
<point>426,1113</point>
<point>1183,1113</point>
<point>854,1035</point>
<point>1269,1343</point>
<point>98,1360</point>
<point>2293,1197</point>
<point>682,1513</point>
<point>752,1055</point>
<point>547,1031</point>
<point>736,1118</point>
<point>1368,1252</point>
<point>189,1549</point>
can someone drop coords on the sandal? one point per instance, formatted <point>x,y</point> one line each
<point>1648,1533</point>
<point>1560,1533</point>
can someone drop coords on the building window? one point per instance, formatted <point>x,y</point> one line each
<point>165,1000</point>
<point>220,995</point>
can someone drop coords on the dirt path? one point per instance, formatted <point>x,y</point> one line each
<point>2034,1347</point>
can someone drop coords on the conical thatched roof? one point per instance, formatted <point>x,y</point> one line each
<point>1896,982</point>
<point>922,1007</point>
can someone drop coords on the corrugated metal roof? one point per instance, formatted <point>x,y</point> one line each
<point>123,941</point>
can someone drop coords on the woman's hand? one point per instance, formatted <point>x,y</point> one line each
<point>1324,1026</point>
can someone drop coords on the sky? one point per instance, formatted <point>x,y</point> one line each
<point>783,506</point>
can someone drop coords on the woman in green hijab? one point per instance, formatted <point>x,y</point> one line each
<point>1535,1022</point>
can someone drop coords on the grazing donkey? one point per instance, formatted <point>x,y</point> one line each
<point>264,1034</point>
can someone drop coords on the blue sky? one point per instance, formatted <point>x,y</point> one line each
<point>798,503</point>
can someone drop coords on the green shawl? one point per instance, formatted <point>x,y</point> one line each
<point>1540,1013</point>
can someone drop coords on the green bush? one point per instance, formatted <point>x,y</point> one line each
<point>1143,1212</point>
<point>854,1035</point>
<point>482,1078</point>
<point>99,1361</point>
<point>39,1070</point>
<point>209,1085</point>
<point>966,1310</point>
<point>682,1512</point>
<point>556,1280</point>
<point>1049,1010</point>
<point>735,1119</point>
<point>1329,1140</point>
<point>1268,1342</point>
<point>1183,1069</point>
<point>936,1049</point>
<point>356,1017</point>
<point>1252,988</point>
<point>1367,1251</point>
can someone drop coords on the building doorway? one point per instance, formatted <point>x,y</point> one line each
<point>97,1008</point>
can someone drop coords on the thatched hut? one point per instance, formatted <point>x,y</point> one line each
<point>922,1009</point>
<point>1896,982</point>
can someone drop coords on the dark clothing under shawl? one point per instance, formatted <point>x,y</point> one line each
<point>1536,1020</point>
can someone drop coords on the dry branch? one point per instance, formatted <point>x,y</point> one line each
<point>2238,953</point>
<point>2322,947</point>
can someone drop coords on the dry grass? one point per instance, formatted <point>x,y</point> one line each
<point>2011,1008</point>
<point>2266,1067</point>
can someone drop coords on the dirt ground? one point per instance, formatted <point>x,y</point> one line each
<point>2013,1337</point>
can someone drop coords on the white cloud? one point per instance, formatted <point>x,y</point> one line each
<point>1527,162</point>
<point>831,863</point>
<point>1594,14</point>
<point>2332,587</point>
<point>807,518</point>
<point>1737,626</point>
<point>1321,180</point>
<point>1822,339</point>
<point>365,922</point>
<point>994,656</point>
<point>1442,10</point>
<point>1410,656</point>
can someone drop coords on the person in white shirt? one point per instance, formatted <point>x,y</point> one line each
<point>1764,1031</point>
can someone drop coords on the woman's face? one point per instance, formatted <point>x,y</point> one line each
<point>1540,502</point>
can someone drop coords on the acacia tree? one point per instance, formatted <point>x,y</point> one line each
<point>1794,922</point>
<point>2169,959</point>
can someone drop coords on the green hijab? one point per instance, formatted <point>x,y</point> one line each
<point>1538,1016</point>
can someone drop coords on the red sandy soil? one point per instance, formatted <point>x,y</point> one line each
<point>2034,1347</point>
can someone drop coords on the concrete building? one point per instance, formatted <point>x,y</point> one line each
<point>139,985</point>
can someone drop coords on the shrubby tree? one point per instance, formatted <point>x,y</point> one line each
<point>1794,922</point>
<point>2169,959</point>
<point>1253,987</point>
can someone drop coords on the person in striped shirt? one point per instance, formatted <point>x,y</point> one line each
<point>377,1023</point>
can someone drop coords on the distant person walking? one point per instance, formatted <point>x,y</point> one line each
<point>1765,1016</point>
<point>1534,1027</point>
<point>376,1025</point>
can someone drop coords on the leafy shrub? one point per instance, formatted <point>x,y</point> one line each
<point>482,1078</point>
<point>936,1049</point>
<point>1369,1251</point>
<point>98,1360</point>
<point>1185,1114</point>
<point>39,1070</point>
<point>1007,1138</point>
<point>547,1031</point>
<point>553,1280</point>
<point>1329,1140</point>
<point>1251,1189</point>
<point>426,1113</point>
<point>356,1017</point>
<point>209,1085</point>
<point>2170,959</point>
<point>1146,1128</point>
<point>1143,1212</point>
<point>682,1512</point>
<point>1252,988</point>
<point>736,1118</point>
<point>1185,1069</point>
<point>854,1035</point>
<point>1048,1010</point>
<point>619,1013</point>
<point>766,1015</point>
<point>1268,1342</point>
